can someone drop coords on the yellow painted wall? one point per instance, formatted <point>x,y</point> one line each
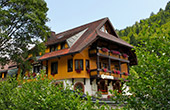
<point>62,66</point>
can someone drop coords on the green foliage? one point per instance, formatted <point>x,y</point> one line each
<point>22,25</point>
<point>145,28</point>
<point>42,95</point>
<point>149,81</point>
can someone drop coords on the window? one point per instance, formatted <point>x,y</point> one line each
<point>104,65</point>
<point>87,65</point>
<point>79,86</point>
<point>56,47</point>
<point>70,65</point>
<point>102,87</point>
<point>79,64</point>
<point>63,45</point>
<point>54,68</point>
<point>52,49</point>
<point>36,69</point>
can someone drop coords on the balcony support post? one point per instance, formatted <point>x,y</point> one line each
<point>47,67</point>
<point>109,66</point>
<point>128,67</point>
<point>120,68</point>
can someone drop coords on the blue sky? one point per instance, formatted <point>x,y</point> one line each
<point>67,14</point>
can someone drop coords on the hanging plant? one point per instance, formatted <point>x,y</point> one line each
<point>115,52</point>
<point>125,55</point>
<point>105,50</point>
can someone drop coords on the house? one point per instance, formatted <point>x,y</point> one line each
<point>91,57</point>
<point>8,69</point>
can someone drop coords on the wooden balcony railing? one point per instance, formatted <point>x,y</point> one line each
<point>116,74</point>
<point>112,54</point>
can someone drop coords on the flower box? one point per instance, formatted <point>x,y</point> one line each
<point>105,70</point>
<point>124,56</point>
<point>78,70</point>
<point>104,51</point>
<point>115,52</point>
<point>88,71</point>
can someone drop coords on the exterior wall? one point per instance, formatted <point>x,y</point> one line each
<point>62,66</point>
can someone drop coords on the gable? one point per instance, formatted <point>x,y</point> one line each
<point>108,28</point>
<point>72,40</point>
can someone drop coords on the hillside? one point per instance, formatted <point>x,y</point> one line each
<point>154,26</point>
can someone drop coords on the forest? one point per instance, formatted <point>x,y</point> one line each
<point>154,26</point>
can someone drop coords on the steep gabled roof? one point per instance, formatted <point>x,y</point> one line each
<point>91,33</point>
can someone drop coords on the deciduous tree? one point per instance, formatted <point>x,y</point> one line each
<point>22,25</point>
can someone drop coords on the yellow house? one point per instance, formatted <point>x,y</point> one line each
<point>91,57</point>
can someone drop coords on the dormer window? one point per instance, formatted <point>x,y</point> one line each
<point>63,45</point>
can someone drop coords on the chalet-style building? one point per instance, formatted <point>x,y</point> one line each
<point>91,57</point>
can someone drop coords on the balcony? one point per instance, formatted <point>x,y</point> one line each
<point>110,64</point>
<point>112,54</point>
<point>115,74</point>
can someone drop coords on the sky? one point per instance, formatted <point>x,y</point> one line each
<point>67,14</point>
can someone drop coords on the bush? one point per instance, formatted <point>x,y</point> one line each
<point>41,94</point>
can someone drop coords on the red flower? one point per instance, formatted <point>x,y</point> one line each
<point>103,90</point>
<point>88,70</point>
<point>78,70</point>
<point>125,55</point>
<point>114,71</point>
<point>115,52</point>
<point>126,73</point>
<point>52,74</point>
<point>34,74</point>
<point>108,96</point>
<point>105,70</point>
<point>118,72</point>
<point>105,50</point>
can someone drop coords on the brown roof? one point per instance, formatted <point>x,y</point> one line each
<point>7,66</point>
<point>55,53</point>
<point>89,36</point>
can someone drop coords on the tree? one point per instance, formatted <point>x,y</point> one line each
<point>149,81</point>
<point>22,26</point>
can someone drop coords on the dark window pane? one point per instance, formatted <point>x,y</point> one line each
<point>54,68</point>
<point>79,64</point>
<point>63,45</point>
<point>70,65</point>
<point>87,64</point>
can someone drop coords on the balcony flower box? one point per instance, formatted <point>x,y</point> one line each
<point>88,71</point>
<point>114,71</point>
<point>104,51</point>
<point>118,72</point>
<point>115,53</point>
<point>105,70</point>
<point>124,56</point>
<point>53,74</point>
<point>78,70</point>
<point>125,73</point>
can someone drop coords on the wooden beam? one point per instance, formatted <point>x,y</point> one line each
<point>72,81</point>
<point>128,67</point>
<point>84,81</point>
<point>109,65</point>
<point>120,68</point>
<point>47,67</point>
